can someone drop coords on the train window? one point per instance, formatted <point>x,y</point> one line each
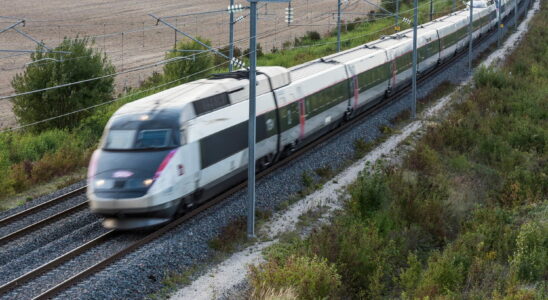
<point>120,139</point>
<point>134,140</point>
<point>211,103</point>
<point>158,138</point>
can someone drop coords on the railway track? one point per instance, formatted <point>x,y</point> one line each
<point>27,213</point>
<point>108,236</point>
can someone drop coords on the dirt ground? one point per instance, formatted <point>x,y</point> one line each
<point>131,38</point>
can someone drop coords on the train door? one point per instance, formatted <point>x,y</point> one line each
<point>356,89</point>
<point>394,75</point>
<point>302,118</point>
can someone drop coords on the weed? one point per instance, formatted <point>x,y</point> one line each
<point>324,172</point>
<point>232,235</point>
<point>309,277</point>
<point>361,147</point>
<point>307,180</point>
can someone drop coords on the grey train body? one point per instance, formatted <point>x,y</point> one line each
<point>167,152</point>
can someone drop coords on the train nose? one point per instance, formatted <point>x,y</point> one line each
<point>120,175</point>
<point>112,185</point>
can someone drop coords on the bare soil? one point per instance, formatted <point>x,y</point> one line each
<point>131,38</point>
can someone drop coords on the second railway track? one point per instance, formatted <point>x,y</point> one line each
<point>40,215</point>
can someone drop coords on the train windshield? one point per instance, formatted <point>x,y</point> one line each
<point>135,140</point>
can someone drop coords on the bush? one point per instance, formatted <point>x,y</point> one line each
<point>445,275</point>
<point>309,278</point>
<point>530,261</point>
<point>313,35</point>
<point>195,66</point>
<point>485,77</point>
<point>82,63</point>
<point>153,80</point>
<point>369,193</point>
<point>424,160</point>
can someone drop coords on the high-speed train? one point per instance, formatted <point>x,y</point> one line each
<point>167,152</point>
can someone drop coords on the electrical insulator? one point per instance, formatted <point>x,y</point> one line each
<point>236,63</point>
<point>289,15</point>
<point>235,8</point>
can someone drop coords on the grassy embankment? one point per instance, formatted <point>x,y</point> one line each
<point>464,217</point>
<point>29,159</point>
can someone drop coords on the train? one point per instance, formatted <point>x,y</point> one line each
<point>163,154</point>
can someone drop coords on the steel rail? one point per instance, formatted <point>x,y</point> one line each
<point>43,222</point>
<point>56,262</point>
<point>42,206</point>
<point>218,199</point>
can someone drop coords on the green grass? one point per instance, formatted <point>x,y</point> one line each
<point>464,217</point>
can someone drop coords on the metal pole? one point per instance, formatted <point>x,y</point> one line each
<point>516,15</point>
<point>251,127</point>
<point>231,37</point>
<point>122,51</point>
<point>470,30</point>
<point>431,9</point>
<point>498,23</point>
<point>397,14</point>
<point>415,24</point>
<point>338,25</point>
<point>454,5</point>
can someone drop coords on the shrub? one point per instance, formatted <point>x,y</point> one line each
<point>424,159</point>
<point>369,193</point>
<point>83,62</point>
<point>153,80</point>
<point>410,277</point>
<point>273,294</point>
<point>197,66</point>
<point>365,253</point>
<point>487,77</point>
<point>446,273</point>
<point>309,277</point>
<point>313,35</point>
<point>530,261</point>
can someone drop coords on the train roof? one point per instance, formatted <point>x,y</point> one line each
<point>309,69</point>
<point>235,83</point>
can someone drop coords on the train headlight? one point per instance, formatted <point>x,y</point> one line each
<point>100,183</point>
<point>148,182</point>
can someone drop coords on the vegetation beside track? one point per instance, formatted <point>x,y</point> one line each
<point>31,157</point>
<point>465,216</point>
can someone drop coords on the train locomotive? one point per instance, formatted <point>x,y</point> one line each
<point>167,152</point>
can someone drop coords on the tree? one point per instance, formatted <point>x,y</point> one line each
<point>195,66</point>
<point>51,69</point>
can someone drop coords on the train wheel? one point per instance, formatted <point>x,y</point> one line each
<point>388,93</point>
